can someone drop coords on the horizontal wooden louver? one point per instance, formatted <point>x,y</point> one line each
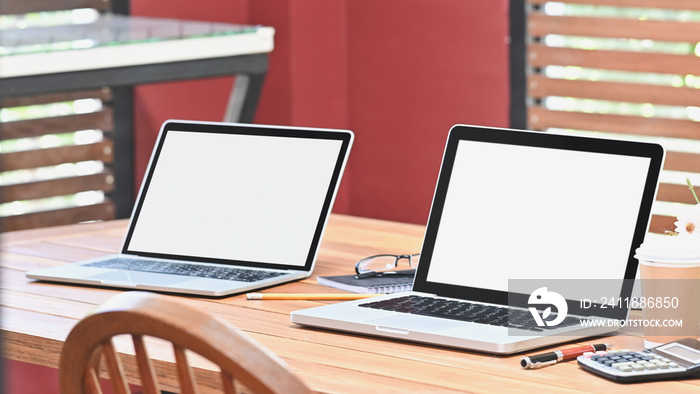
<point>541,118</point>
<point>540,86</point>
<point>540,55</point>
<point>664,4</point>
<point>667,4</point>
<point>101,211</point>
<point>104,94</point>
<point>679,193</point>
<point>103,181</point>
<point>540,25</point>
<point>598,40</point>
<point>102,151</point>
<point>101,120</point>
<point>29,6</point>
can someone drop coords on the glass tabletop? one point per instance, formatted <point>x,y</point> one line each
<point>76,30</point>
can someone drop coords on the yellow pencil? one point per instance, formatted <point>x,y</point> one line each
<point>308,296</point>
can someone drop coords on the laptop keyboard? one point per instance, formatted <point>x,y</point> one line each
<point>185,269</point>
<point>465,311</point>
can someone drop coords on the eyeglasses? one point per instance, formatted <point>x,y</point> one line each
<point>384,264</point>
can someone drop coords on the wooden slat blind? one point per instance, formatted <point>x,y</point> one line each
<point>608,56</point>
<point>31,187</point>
<point>44,182</point>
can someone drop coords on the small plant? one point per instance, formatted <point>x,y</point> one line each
<point>688,224</point>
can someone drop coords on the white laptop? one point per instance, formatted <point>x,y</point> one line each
<point>223,209</point>
<point>530,236</point>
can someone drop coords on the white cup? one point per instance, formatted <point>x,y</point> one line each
<point>670,280</point>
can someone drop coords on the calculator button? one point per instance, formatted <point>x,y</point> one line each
<point>673,365</point>
<point>616,365</point>
<point>637,367</point>
<point>624,368</point>
<point>650,366</point>
<point>663,366</point>
<point>595,358</point>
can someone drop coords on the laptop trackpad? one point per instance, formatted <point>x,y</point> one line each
<point>130,278</point>
<point>407,322</point>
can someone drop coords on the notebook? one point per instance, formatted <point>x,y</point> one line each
<point>526,232</point>
<point>384,284</point>
<point>224,208</point>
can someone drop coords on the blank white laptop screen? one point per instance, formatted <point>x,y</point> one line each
<point>192,210</point>
<point>508,209</point>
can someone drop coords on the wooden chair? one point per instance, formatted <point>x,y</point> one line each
<point>142,315</point>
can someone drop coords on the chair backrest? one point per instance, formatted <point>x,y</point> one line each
<point>146,316</point>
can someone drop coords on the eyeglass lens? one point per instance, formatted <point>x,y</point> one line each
<point>384,263</point>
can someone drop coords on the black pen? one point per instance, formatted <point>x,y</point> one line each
<point>540,360</point>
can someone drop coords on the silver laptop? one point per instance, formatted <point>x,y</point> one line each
<point>223,209</point>
<point>530,236</point>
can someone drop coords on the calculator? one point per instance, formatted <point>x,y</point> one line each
<point>673,360</point>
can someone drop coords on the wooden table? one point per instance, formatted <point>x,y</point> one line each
<point>36,318</point>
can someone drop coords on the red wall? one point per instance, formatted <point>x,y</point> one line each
<point>398,73</point>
